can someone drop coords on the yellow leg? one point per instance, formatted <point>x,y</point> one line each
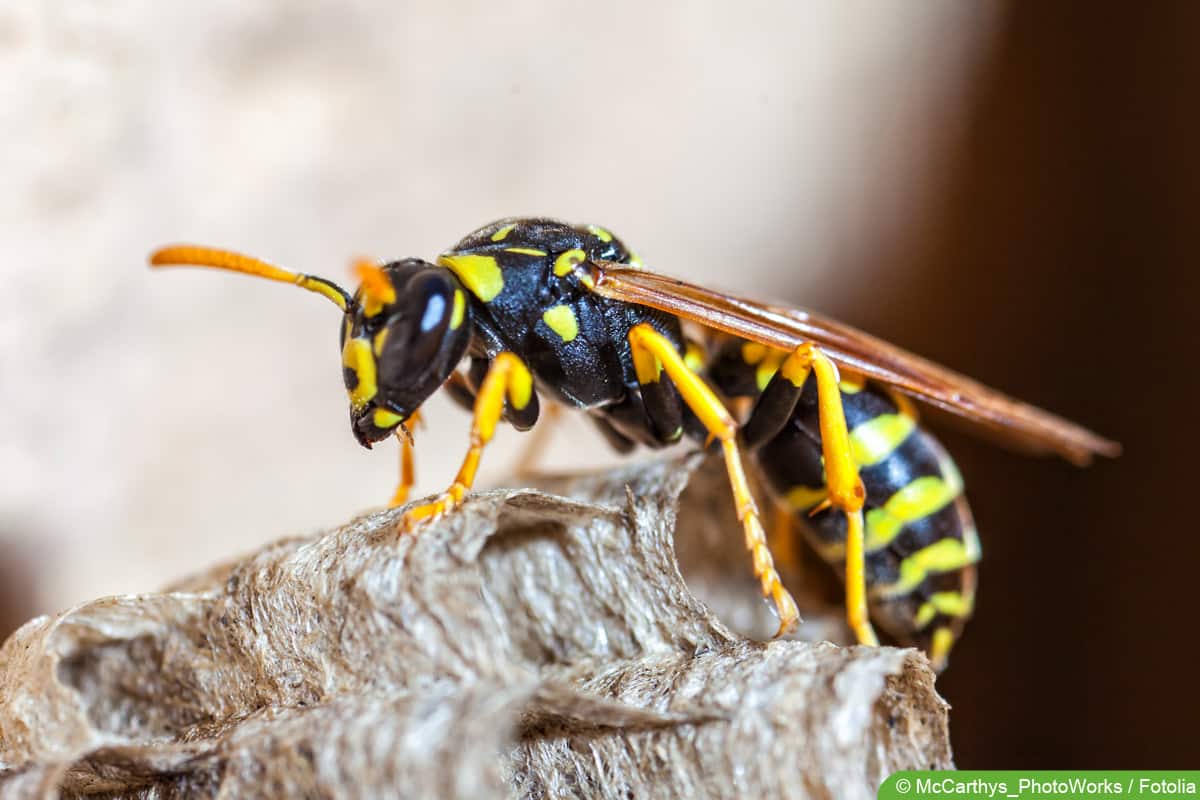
<point>846,490</point>
<point>507,376</point>
<point>408,472</point>
<point>653,353</point>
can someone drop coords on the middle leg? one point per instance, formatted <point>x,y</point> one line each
<point>652,354</point>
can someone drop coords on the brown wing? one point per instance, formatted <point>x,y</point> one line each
<point>786,328</point>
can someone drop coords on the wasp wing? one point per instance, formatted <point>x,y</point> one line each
<point>787,328</point>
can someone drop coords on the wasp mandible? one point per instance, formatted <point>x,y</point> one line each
<point>539,307</point>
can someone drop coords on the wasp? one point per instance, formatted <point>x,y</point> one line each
<point>539,308</point>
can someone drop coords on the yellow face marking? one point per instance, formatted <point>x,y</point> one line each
<point>385,419</point>
<point>802,498</point>
<point>379,341</point>
<point>460,309</point>
<point>357,357</point>
<point>566,263</point>
<point>480,274</point>
<point>876,439</point>
<point>600,233</point>
<point>500,235</point>
<point>520,386</point>
<point>561,320</point>
<point>525,251</point>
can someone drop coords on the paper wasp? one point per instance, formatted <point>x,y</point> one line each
<point>543,308</point>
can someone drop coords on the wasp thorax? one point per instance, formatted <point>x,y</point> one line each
<point>405,333</point>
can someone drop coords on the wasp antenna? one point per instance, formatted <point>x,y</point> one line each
<point>377,288</point>
<point>197,256</point>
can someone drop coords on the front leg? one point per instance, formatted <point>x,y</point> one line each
<point>506,377</point>
<point>408,470</point>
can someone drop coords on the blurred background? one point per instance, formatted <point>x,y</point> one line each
<point>1007,189</point>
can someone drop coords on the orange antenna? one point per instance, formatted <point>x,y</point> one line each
<point>376,287</point>
<point>196,256</point>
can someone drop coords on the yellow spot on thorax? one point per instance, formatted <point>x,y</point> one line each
<point>500,235</point>
<point>525,251</point>
<point>600,233</point>
<point>566,262</point>
<point>561,319</point>
<point>460,310</point>
<point>480,274</point>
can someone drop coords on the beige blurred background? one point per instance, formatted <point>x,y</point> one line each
<point>154,423</point>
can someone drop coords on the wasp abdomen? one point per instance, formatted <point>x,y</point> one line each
<point>921,544</point>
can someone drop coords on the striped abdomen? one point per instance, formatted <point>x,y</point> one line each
<point>921,543</point>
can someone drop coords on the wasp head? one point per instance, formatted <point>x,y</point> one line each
<point>404,333</point>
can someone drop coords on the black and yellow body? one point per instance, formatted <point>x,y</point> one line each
<point>921,545</point>
<point>542,308</point>
<point>527,298</point>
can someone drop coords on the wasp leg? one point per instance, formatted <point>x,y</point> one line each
<point>846,491</point>
<point>777,402</point>
<point>653,353</point>
<point>506,377</point>
<point>408,472</point>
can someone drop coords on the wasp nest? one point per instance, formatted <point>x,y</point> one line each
<point>532,644</point>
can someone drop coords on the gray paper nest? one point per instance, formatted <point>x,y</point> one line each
<point>530,645</point>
